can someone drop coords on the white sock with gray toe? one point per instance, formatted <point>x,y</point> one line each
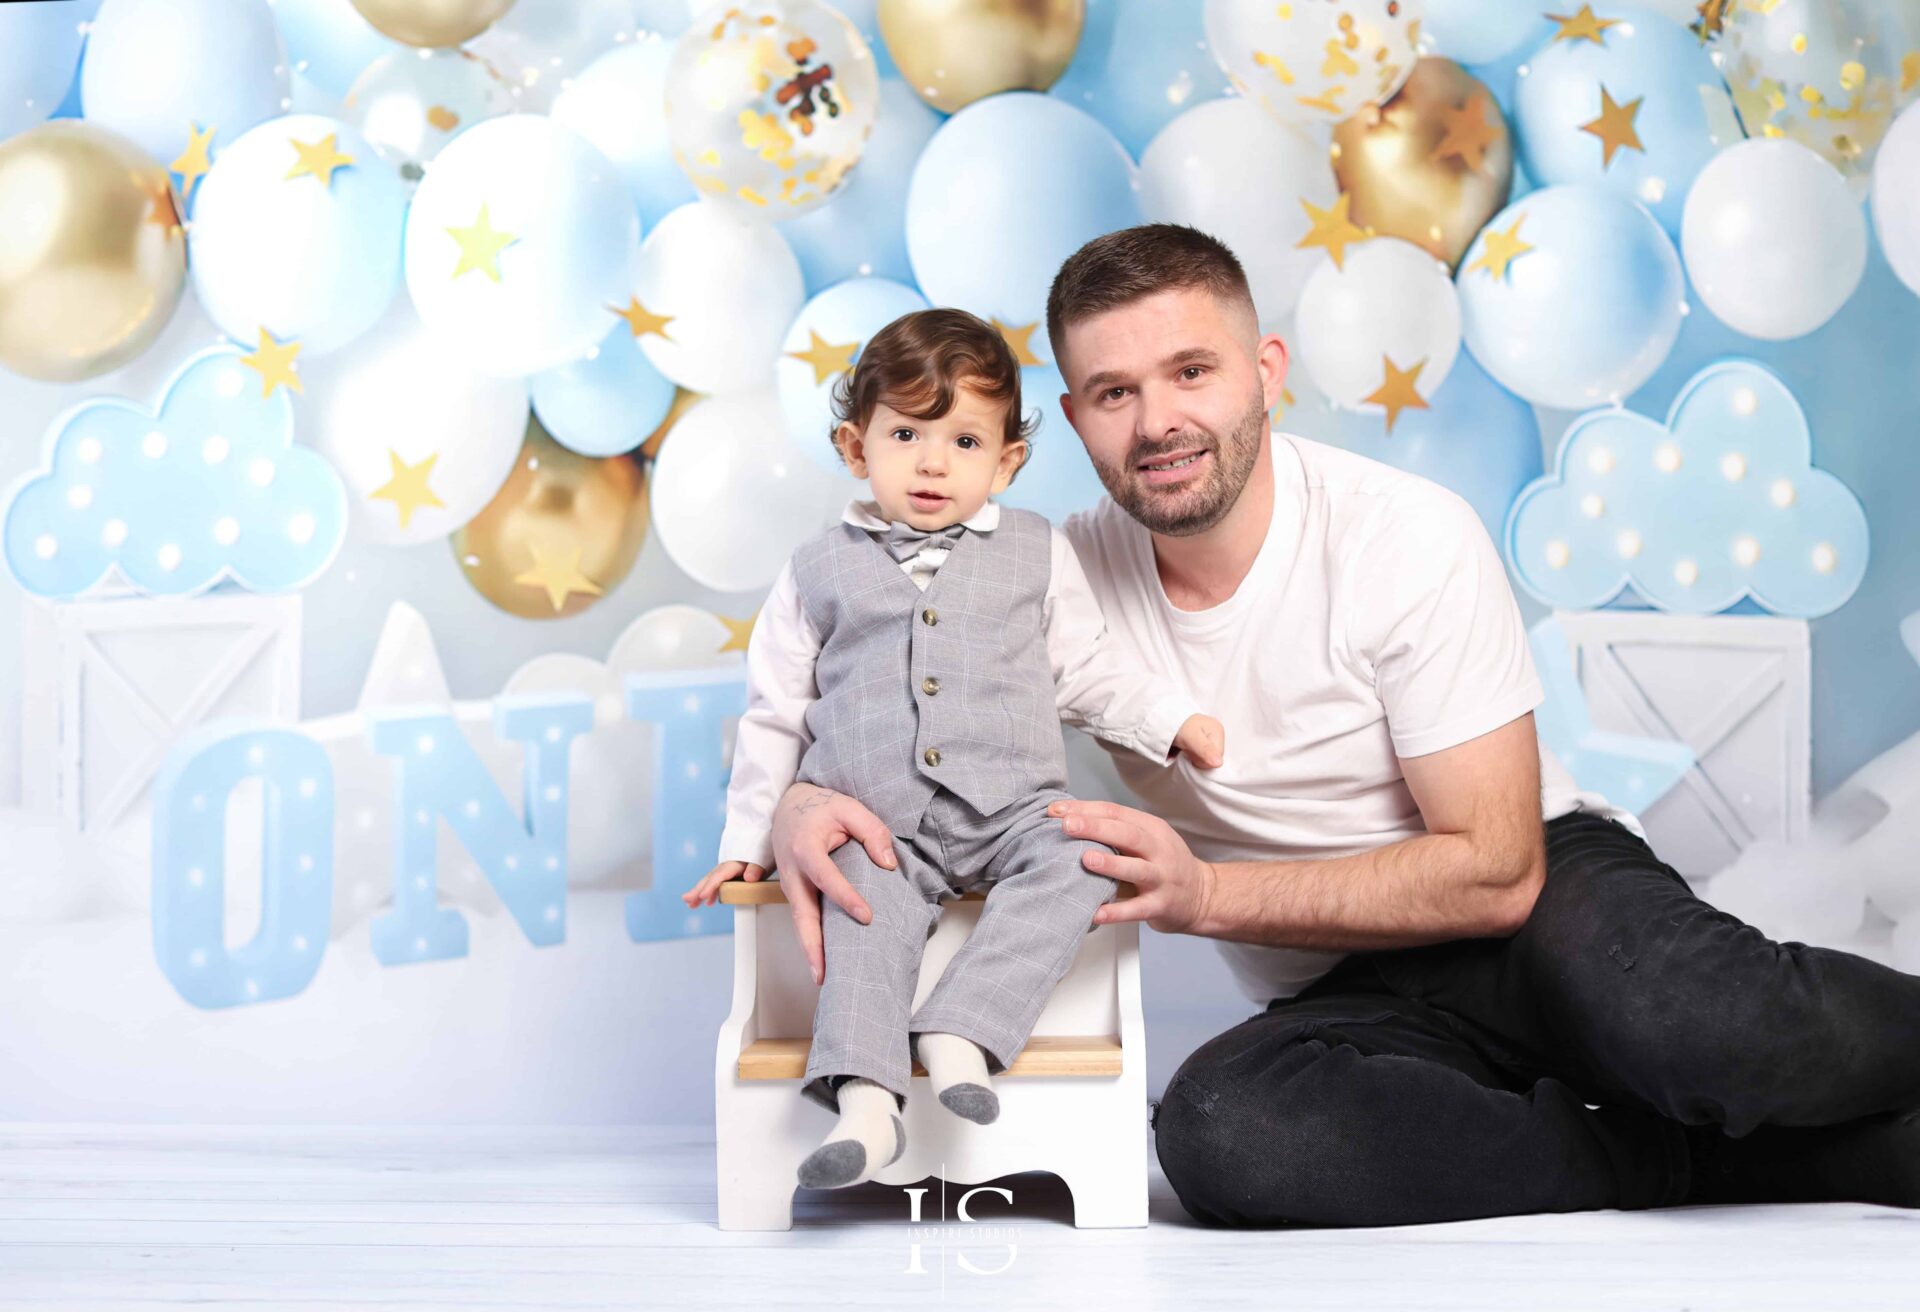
<point>957,1069</point>
<point>868,1136</point>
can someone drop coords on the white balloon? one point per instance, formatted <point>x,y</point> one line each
<point>314,257</point>
<point>731,285</point>
<point>1390,301</point>
<point>1231,170</point>
<point>551,218</point>
<point>399,394</point>
<point>732,496</point>
<point>1773,240</point>
<point>1896,196</point>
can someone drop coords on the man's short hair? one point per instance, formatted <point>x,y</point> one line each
<point>1119,267</point>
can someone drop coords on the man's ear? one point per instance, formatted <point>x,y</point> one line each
<point>852,448</point>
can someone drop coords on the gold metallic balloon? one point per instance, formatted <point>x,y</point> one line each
<point>561,532</point>
<point>92,254</point>
<point>953,52</point>
<point>1432,165</point>
<point>431,24</point>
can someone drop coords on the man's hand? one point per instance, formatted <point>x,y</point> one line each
<point>1204,740</point>
<point>1174,885</point>
<point>809,823</point>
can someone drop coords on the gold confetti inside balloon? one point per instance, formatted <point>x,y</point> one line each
<point>1827,73</point>
<point>1432,165</point>
<point>92,254</point>
<point>561,533</point>
<point>770,104</point>
<point>431,24</point>
<point>1315,60</point>
<point>954,52</point>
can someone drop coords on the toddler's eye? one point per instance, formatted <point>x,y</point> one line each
<point>907,431</point>
<point>970,439</point>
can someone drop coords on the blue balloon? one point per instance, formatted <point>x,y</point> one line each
<point>330,42</point>
<point>1643,85</point>
<point>618,103</point>
<point>39,52</point>
<point>862,231</point>
<point>1477,31</point>
<point>1138,66</point>
<point>1007,189</point>
<point>1474,437</point>
<point>1499,74</point>
<point>1058,477</point>
<point>1588,311</point>
<point>607,402</point>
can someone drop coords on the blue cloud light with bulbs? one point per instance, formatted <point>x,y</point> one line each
<point>1719,503</point>
<point>210,487</point>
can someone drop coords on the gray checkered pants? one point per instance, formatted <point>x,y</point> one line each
<point>1039,909</point>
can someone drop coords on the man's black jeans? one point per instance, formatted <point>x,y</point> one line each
<point>1451,1080</point>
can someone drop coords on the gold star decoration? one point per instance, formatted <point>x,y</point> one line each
<point>1332,228</point>
<point>1583,25</point>
<point>1499,248</point>
<point>407,487</point>
<point>1021,340</point>
<point>1614,127</point>
<point>274,360</point>
<point>1712,20</point>
<point>480,245</point>
<point>1397,392</point>
<point>558,572</point>
<point>1280,407</point>
<point>738,631</point>
<point>641,320</point>
<point>1468,133</point>
<point>826,358</point>
<point>318,159</point>
<point>164,214</point>
<point>194,160</point>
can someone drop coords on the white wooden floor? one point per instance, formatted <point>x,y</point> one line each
<point>277,1217</point>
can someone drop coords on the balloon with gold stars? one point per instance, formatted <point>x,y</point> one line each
<point>520,243</point>
<point>298,232</point>
<point>431,24</point>
<point>1829,74</point>
<point>954,52</point>
<point>561,532</point>
<point>421,438</point>
<point>1315,60</point>
<point>410,103</point>
<point>1620,95</point>
<point>821,349</point>
<point>769,104</point>
<point>1381,332</point>
<point>92,253</point>
<point>1430,166</point>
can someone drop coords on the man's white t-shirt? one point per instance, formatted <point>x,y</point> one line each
<point>1376,623</point>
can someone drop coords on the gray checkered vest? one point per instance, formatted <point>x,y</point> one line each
<point>919,689</point>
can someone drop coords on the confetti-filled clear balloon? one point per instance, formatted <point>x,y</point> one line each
<point>770,103</point>
<point>411,103</point>
<point>1315,60</point>
<point>1825,73</point>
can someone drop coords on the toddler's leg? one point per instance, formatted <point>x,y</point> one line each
<point>859,1064</point>
<point>1038,911</point>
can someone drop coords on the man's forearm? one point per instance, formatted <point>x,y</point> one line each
<point>1432,888</point>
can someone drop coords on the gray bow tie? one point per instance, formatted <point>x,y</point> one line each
<point>903,541</point>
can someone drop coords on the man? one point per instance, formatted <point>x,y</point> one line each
<point>1458,950</point>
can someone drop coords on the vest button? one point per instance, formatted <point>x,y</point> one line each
<point>930,615</point>
<point>930,685</point>
<point>932,756</point>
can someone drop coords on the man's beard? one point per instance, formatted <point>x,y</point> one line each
<point>1189,509</point>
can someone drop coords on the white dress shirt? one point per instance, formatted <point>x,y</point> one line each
<point>1097,689</point>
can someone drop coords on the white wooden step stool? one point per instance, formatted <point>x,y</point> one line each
<point>1074,1102</point>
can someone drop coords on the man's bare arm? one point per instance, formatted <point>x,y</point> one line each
<point>1474,874</point>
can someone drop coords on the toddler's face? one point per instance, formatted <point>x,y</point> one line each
<point>934,472</point>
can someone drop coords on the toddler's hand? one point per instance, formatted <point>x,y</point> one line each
<point>1204,739</point>
<point>708,889</point>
